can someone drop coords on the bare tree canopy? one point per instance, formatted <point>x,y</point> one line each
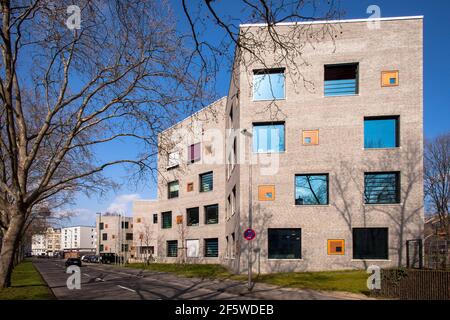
<point>123,75</point>
<point>437,179</point>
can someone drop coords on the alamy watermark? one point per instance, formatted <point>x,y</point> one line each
<point>74,280</point>
<point>374,280</point>
<point>73,22</point>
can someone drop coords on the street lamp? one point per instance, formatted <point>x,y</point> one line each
<point>248,134</point>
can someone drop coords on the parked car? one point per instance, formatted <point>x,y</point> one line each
<point>106,258</point>
<point>86,258</point>
<point>73,262</point>
<point>94,259</point>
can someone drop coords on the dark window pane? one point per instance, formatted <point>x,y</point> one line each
<point>101,225</point>
<point>311,189</point>
<point>370,243</point>
<point>166,220</point>
<point>268,84</point>
<point>268,137</point>
<point>284,243</point>
<point>172,248</point>
<point>104,236</point>
<point>155,218</point>
<point>206,182</point>
<point>212,247</point>
<point>382,188</point>
<point>381,133</point>
<point>173,188</point>
<point>212,214</point>
<point>192,216</point>
<point>129,236</point>
<point>341,80</point>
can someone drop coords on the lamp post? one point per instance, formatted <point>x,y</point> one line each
<point>247,134</point>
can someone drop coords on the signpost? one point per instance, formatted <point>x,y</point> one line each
<point>249,235</point>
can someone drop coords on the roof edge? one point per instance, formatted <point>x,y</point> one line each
<point>332,21</point>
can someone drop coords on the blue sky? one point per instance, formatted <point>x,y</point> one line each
<point>436,90</point>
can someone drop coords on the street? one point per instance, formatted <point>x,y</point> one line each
<point>107,282</point>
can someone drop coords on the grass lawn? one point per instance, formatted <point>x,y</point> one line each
<point>349,281</point>
<point>27,284</point>
<point>214,271</point>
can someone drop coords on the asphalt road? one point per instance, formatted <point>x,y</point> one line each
<point>103,282</point>
<point>108,282</point>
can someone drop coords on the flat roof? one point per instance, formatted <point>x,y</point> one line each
<point>192,115</point>
<point>331,21</point>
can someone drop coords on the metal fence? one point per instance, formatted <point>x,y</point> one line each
<point>411,284</point>
<point>437,254</point>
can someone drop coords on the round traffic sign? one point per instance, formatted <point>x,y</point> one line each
<point>249,234</point>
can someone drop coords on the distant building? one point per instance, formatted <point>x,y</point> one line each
<point>81,239</point>
<point>115,234</point>
<point>38,245</point>
<point>53,241</point>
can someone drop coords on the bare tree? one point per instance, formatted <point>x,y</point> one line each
<point>122,77</point>
<point>437,179</point>
<point>264,34</point>
<point>146,237</point>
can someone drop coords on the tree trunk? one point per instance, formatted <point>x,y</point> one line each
<point>10,242</point>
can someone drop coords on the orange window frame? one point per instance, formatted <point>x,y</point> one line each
<point>313,135</point>
<point>329,247</point>
<point>263,190</point>
<point>386,78</point>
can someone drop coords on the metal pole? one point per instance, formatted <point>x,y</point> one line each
<point>250,208</point>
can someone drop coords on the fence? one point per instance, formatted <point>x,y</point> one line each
<point>410,284</point>
<point>437,254</point>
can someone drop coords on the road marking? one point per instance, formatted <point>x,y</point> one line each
<point>127,288</point>
<point>99,279</point>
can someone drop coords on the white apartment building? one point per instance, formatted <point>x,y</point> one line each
<point>79,238</point>
<point>38,244</point>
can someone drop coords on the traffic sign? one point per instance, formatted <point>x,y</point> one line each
<point>249,234</point>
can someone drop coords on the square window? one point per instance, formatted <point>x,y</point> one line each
<point>311,189</point>
<point>268,137</point>
<point>389,78</point>
<point>266,193</point>
<point>173,188</point>
<point>193,248</point>
<point>192,216</point>
<point>370,243</point>
<point>381,132</point>
<point>284,243</point>
<point>172,248</point>
<point>173,159</point>
<point>212,247</point>
<point>166,218</point>
<point>190,187</point>
<point>310,137</point>
<point>194,152</point>
<point>382,188</point>
<point>336,247</point>
<point>212,214</point>
<point>341,79</point>
<point>206,182</point>
<point>268,84</point>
